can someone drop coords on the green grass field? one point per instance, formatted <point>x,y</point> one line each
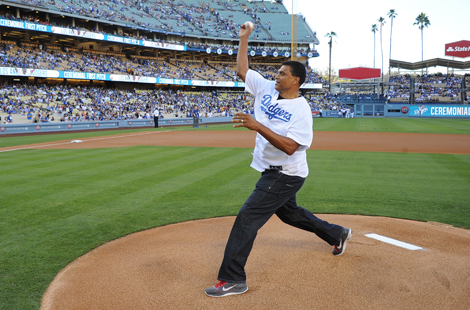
<point>57,205</point>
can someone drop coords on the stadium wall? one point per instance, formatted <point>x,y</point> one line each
<point>406,110</point>
<point>427,110</point>
<point>33,128</point>
<point>387,110</point>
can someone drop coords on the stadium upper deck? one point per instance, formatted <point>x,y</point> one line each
<point>185,31</point>
<point>190,18</point>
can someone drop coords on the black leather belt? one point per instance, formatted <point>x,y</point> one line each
<point>277,168</point>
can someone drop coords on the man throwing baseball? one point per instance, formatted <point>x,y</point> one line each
<point>283,122</point>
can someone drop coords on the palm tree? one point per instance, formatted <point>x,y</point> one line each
<point>374,30</point>
<point>382,22</point>
<point>330,43</point>
<point>391,14</point>
<point>422,21</point>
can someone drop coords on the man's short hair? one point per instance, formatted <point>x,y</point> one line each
<point>297,69</point>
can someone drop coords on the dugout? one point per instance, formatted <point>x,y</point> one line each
<point>364,105</point>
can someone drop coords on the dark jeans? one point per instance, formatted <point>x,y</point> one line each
<point>275,193</point>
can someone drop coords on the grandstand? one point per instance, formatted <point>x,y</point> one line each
<point>191,18</point>
<point>170,47</point>
<point>130,57</point>
<point>436,88</point>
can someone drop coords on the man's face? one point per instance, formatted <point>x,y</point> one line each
<point>285,80</point>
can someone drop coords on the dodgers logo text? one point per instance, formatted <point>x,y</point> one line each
<point>274,111</point>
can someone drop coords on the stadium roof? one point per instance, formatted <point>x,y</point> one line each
<point>441,62</point>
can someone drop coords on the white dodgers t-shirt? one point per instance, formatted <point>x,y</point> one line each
<point>291,118</point>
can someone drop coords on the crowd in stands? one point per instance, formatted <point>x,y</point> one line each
<point>177,17</point>
<point>42,58</point>
<point>215,18</point>
<point>190,44</point>
<point>47,103</point>
<point>323,101</point>
<point>66,103</point>
<point>431,88</point>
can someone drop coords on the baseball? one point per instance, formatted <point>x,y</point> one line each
<point>249,25</point>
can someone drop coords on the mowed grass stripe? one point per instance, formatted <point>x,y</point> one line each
<point>102,184</point>
<point>39,158</point>
<point>90,164</point>
<point>405,125</point>
<point>72,165</point>
<point>100,204</point>
<point>70,162</point>
<point>414,186</point>
<point>91,171</point>
<point>224,191</point>
<point>445,125</point>
<point>104,205</point>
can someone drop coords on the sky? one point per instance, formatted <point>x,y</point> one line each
<point>352,21</point>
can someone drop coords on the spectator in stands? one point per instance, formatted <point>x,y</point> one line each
<point>8,119</point>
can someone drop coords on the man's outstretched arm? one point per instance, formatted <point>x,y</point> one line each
<point>242,56</point>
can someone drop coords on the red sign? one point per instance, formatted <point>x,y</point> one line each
<point>458,49</point>
<point>359,73</point>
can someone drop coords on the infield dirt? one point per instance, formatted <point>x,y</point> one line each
<point>335,141</point>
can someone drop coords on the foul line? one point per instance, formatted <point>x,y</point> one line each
<point>102,138</point>
<point>398,243</point>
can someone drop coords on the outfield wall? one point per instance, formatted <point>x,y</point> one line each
<point>97,125</point>
<point>366,110</point>
<point>406,110</point>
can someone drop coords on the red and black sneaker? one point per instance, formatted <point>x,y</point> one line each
<point>339,249</point>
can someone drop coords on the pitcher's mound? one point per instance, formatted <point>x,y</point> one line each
<point>169,267</point>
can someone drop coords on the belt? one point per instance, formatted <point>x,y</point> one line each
<point>277,168</point>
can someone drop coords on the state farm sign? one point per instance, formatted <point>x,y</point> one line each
<point>458,49</point>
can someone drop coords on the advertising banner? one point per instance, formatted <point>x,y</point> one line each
<point>312,86</point>
<point>88,34</point>
<point>447,111</point>
<point>458,49</point>
<point>40,73</point>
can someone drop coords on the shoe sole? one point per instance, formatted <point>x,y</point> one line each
<point>227,294</point>
<point>345,243</point>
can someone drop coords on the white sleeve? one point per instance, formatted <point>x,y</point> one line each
<point>254,82</point>
<point>302,129</point>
